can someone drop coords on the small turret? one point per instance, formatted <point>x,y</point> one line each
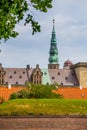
<point>67,64</point>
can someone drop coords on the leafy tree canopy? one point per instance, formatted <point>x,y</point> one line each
<point>13,11</point>
<point>36,91</point>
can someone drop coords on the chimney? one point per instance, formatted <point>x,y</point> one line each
<point>9,86</point>
<point>28,66</point>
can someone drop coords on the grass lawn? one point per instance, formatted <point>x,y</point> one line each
<point>25,107</point>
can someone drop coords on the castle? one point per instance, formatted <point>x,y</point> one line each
<point>74,75</point>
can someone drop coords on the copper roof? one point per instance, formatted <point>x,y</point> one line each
<point>68,63</point>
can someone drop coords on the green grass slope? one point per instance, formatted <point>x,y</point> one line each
<point>26,107</point>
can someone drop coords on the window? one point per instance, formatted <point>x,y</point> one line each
<point>50,67</point>
<point>23,72</point>
<point>66,77</point>
<point>20,77</point>
<point>16,82</point>
<point>53,77</point>
<point>61,83</point>
<point>14,72</point>
<point>75,84</point>
<point>47,83</point>
<point>72,74</point>
<point>10,77</point>
<point>6,82</point>
<point>54,67</point>
<point>45,73</point>
<point>37,72</point>
<point>58,73</point>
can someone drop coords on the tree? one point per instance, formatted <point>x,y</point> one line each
<point>37,91</point>
<point>13,11</point>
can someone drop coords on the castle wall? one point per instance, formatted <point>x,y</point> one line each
<point>81,73</point>
<point>72,93</point>
<point>67,92</point>
<point>5,92</point>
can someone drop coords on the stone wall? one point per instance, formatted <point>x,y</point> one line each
<point>81,73</point>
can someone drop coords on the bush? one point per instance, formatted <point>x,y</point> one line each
<point>23,94</point>
<point>36,91</point>
<point>13,96</point>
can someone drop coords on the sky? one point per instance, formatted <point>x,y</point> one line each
<point>71,34</point>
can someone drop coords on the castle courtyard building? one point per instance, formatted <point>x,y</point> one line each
<point>70,75</point>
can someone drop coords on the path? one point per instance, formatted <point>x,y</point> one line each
<point>43,123</point>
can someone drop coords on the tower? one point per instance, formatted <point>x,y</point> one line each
<point>81,73</point>
<point>53,58</point>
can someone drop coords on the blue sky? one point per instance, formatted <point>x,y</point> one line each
<point>71,33</point>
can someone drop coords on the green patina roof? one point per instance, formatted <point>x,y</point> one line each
<point>53,58</point>
<point>45,77</point>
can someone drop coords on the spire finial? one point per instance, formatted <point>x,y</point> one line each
<point>53,21</point>
<point>53,25</point>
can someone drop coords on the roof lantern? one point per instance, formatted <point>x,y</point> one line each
<point>68,64</point>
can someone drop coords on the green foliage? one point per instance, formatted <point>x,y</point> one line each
<point>36,91</point>
<point>42,91</point>
<point>20,94</point>
<point>23,94</point>
<point>13,11</point>
<point>14,96</point>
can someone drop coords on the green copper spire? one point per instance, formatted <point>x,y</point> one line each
<point>53,58</point>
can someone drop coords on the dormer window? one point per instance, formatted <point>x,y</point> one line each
<point>23,72</point>
<point>45,73</point>
<point>14,72</point>
<point>20,77</point>
<point>47,83</point>
<point>53,77</point>
<point>58,73</point>
<point>66,77</point>
<point>72,74</point>
<point>16,82</point>
<point>10,77</point>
